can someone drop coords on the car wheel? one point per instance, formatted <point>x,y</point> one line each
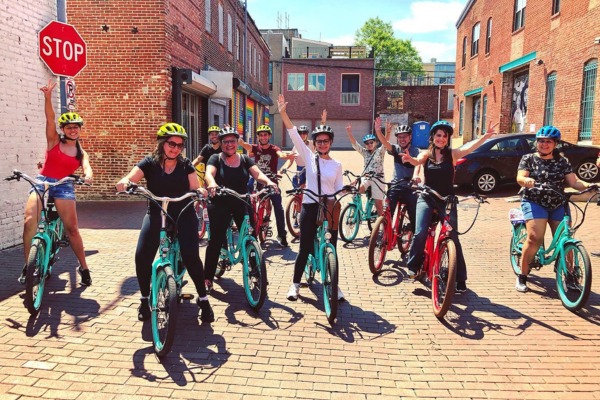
<point>587,170</point>
<point>485,181</point>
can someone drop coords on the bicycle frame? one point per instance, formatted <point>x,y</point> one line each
<point>236,251</point>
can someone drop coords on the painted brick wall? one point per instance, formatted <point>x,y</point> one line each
<point>420,102</point>
<point>565,42</point>
<point>22,133</point>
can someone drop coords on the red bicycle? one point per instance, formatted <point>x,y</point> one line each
<point>202,214</point>
<point>294,205</point>
<point>261,205</point>
<point>440,261</point>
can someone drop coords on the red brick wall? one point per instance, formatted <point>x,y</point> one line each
<point>565,42</point>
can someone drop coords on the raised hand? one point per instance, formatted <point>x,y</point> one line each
<point>49,87</point>
<point>281,104</point>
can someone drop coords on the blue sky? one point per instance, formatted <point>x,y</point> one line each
<point>431,25</point>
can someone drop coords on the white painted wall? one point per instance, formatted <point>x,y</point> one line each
<point>22,127</point>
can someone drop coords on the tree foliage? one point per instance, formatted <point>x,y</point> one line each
<point>393,56</point>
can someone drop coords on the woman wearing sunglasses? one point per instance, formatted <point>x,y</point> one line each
<point>169,174</point>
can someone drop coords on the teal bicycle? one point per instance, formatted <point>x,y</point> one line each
<point>354,213</point>
<point>46,243</point>
<point>167,270</point>
<point>245,249</point>
<point>571,260</point>
<point>323,259</point>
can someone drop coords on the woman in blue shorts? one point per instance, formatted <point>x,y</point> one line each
<point>547,165</point>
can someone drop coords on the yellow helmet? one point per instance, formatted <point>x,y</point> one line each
<point>214,128</point>
<point>264,128</point>
<point>70,118</point>
<point>171,129</point>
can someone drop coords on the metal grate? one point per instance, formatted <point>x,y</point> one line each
<point>587,100</point>
<point>550,89</point>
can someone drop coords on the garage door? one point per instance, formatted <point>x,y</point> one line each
<point>359,129</point>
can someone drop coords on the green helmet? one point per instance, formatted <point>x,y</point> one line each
<point>171,129</point>
<point>70,118</point>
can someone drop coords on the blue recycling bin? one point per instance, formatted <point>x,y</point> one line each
<point>420,134</point>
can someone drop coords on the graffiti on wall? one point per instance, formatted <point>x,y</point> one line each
<point>395,99</point>
<point>519,102</point>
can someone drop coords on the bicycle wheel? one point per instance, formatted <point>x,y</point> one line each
<point>292,216</point>
<point>223,264</point>
<point>405,233</point>
<point>255,275</point>
<point>201,221</point>
<point>35,279</point>
<point>164,312</point>
<point>329,275</point>
<point>574,286</point>
<point>262,221</point>
<point>371,221</point>
<point>443,282</point>
<point>309,270</point>
<point>378,245</point>
<point>516,246</point>
<point>349,223</point>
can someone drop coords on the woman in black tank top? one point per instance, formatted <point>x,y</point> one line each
<point>439,160</point>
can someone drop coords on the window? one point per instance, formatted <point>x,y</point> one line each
<point>507,145</point>
<point>519,14</point>
<point>350,89</point>
<point>587,100</point>
<point>270,77</point>
<point>461,114</point>
<point>555,6</point>
<point>208,15</point>
<point>237,43</point>
<point>484,114</point>
<point>229,33</point>
<point>450,105</point>
<point>549,109</point>
<point>316,82</point>
<point>295,81</point>
<point>220,9</point>
<point>464,52</point>
<point>249,58</point>
<point>475,40</point>
<point>488,36</point>
<point>259,69</point>
<point>476,113</point>
<point>254,63</point>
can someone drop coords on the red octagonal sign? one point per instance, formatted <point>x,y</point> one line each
<point>62,49</point>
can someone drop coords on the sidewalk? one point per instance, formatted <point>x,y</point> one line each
<point>386,344</point>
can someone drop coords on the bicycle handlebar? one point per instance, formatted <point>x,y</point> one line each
<point>133,188</point>
<point>428,190</point>
<point>17,175</point>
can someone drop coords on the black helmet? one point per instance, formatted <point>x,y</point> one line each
<point>322,129</point>
<point>402,129</point>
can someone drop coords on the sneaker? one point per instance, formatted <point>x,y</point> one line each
<point>86,279</point>
<point>521,284</point>
<point>144,309</point>
<point>341,296</point>
<point>461,287</point>
<point>209,285</point>
<point>206,312</point>
<point>294,292</point>
<point>23,276</point>
<point>282,241</point>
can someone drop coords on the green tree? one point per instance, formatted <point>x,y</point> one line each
<point>393,56</point>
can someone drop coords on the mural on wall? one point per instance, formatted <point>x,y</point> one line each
<point>395,99</point>
<point>519,102</point>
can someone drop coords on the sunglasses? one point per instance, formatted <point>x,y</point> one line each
<point>173,145</point>
<point>227,142</point>
<point>324,141</point>
<point>369,142</point>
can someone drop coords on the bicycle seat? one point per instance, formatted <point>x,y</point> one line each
<point>515,215</point>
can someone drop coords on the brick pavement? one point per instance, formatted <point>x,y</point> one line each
<point>494,343</point>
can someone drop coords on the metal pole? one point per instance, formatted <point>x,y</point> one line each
<point>61,16</point>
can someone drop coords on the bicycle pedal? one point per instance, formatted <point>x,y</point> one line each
<point>64,243</point>
<point>187,296</point>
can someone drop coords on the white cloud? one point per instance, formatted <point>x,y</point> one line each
<point>430,16</point>
<point>443,52</point>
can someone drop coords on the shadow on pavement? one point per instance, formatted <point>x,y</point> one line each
<point>102,215</point>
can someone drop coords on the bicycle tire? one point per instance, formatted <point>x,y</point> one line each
<point>292,216</point>
<point>221,268</point>
<point>574,288</point>
<point>406,234</point>
<point>35,278</point>
<point>309,270</point>
<point>374,215</point>
<point>263,221</point>
<point>516,247</point>
<point>329,275</point>
<point>164,312</point>
<point>255,275</point>
<point>443,280</point>
<point>201,222</point>
<point>378,243</point>
<point>349,223</point>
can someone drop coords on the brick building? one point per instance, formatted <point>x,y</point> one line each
<point>199,63</point>
<point>22,134</point>
<point>529,64</point>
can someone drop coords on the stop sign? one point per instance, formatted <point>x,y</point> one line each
<point>62,49</point>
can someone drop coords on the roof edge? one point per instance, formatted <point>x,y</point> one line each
<point>464,13</point>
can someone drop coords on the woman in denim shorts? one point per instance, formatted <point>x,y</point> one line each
<point>541,207</point>
<point>64,156</point>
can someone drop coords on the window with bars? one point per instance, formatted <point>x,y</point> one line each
<point>475,39</point>
<point>220,14</point>
<point>461,115</point>
<point>350,89</point>
<point>464,52</point>
<point>587,99</point>
<point>549,108</point>
<point>229,33</point>
<point>519,20</point>
<point>488,36</point>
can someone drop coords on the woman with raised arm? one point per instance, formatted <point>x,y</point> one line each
<point>329,172</point>
<point>64,155</point>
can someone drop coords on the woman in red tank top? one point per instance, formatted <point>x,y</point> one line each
<point>64,156</point>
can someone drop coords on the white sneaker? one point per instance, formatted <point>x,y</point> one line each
<point>521,285</point>
<point>341,296</point>
<point>293,292</point>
